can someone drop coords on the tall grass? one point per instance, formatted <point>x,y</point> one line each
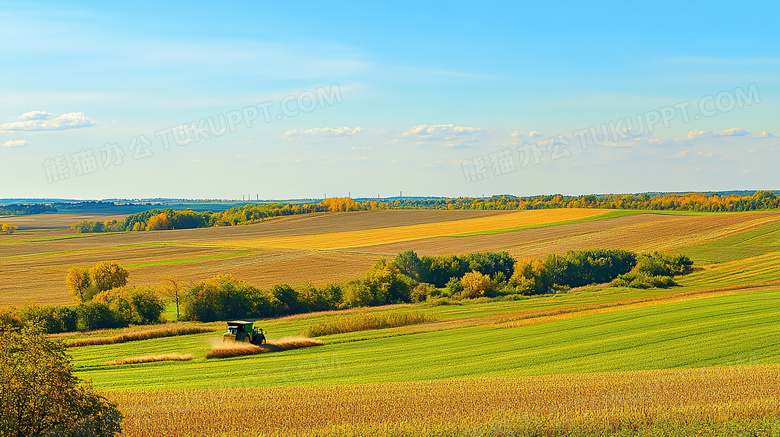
<point>150,359</point>
<point>164,331</point>
<point>364,322</point>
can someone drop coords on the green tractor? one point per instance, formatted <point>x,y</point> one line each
<point>243,332</point>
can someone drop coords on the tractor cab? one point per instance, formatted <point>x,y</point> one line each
<point>239,331</point>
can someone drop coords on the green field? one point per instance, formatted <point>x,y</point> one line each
<point>468,340</point>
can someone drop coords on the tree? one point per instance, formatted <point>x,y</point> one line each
<point>531,277</point>
<point>475,284</point>
<point>409,264</point>
<point>171,289</point>
<point>106,275</point>
<point>40,396</point>
<point>159,222</point>
<point>8,228</point>
<point>78,282</point>
<point>287,297</point>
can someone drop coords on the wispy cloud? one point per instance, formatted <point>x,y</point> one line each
<point>530,135</point>
<point>16,143</point>
<point>323,132</point>
<point>440,131</point>
<point>44,121</point>
<point>450,135</point>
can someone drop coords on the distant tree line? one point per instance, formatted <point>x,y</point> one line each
<point>697,202</point>
<point>25,209</point>
<point>44,208</point>
<point>160,219</point>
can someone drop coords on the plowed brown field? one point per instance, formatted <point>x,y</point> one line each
<point>645,232</point>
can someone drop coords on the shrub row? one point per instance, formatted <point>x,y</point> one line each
<point>409,278</point>
<point>117,308</point>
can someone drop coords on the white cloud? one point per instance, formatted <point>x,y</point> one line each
<point>361,147</point>
<point>440,131</point>
<point>35,115</point>
<point>766,134</point>
<point>733,132</point>
<point>323,132</point>
<point>240,156</point>
<point>16,143</point>
<point>520,135</point>
<point>44,121</point>
<point>452,135</point>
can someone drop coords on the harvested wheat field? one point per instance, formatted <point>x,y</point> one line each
<point>643,232</point>
<point>404,233</point>
<point>261,267</point>
<point>546,404</point>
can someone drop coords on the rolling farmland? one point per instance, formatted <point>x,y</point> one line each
<point>676,360</point>
<point>289,249</point>
<point>703,356</point>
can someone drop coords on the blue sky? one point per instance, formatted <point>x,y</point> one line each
<point>447,99</point>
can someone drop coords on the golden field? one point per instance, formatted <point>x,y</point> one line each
<point>547,404</point>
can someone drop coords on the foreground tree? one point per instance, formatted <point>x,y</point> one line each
<point>39,396</point>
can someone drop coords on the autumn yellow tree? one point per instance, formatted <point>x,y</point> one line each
<point>8,228</point>
<point>41,396</point>
<point>475,284</point>
<point>531,276</point>
<point>159,222</point>
<point>78,283</point>
<point>106,275</point>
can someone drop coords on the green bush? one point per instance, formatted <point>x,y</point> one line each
<point>642,280</point>
<point>656,264</point>
<point>95,315</point>
<point>583,267</point>
<point>147,306</point>
<point>219,298</point>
